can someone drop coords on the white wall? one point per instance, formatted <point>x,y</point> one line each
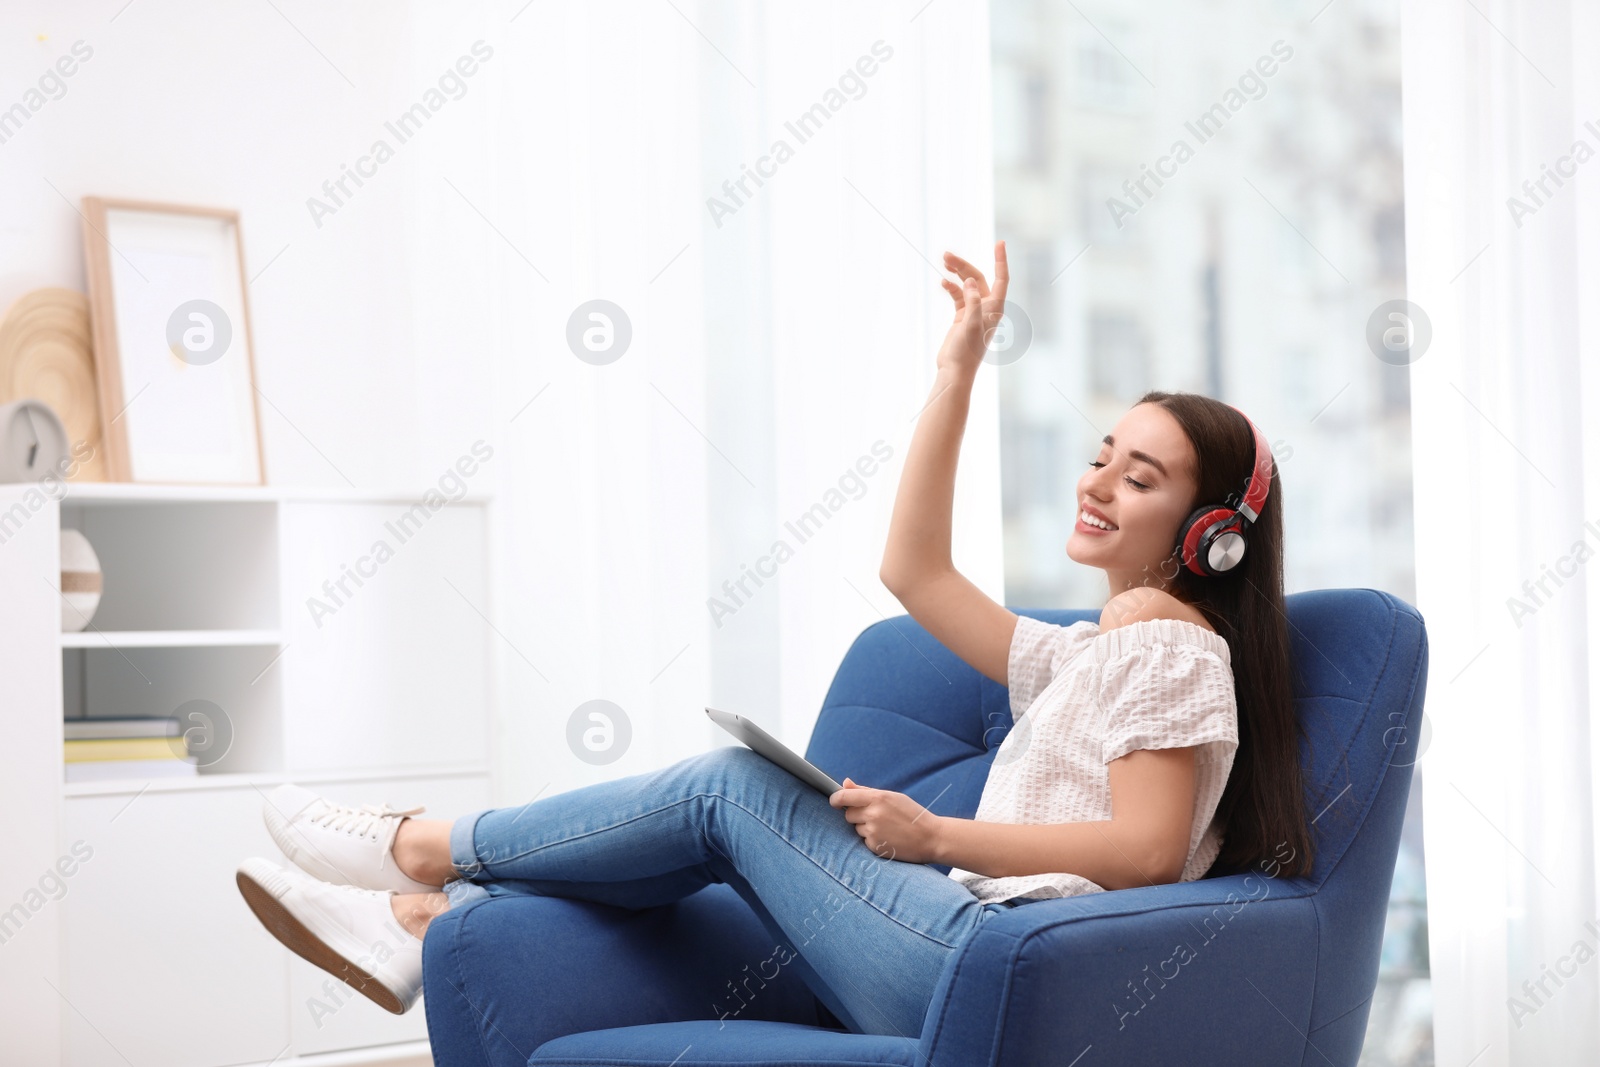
<point>769,353</point>
<point>226,104</point>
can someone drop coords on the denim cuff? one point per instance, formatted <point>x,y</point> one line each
<point>461,892</point>
<point>463,851</point>
<point>464,858</point>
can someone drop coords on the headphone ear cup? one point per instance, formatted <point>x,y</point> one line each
<point>1226,547</point>
<point>1194,542</point>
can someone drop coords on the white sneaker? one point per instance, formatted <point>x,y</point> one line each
<point>345,846</point>
<point>350,933</point>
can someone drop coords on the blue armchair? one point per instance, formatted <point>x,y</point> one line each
<point>1238,967</point>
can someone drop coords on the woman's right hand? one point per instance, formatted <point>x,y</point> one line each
<point>977,311</point>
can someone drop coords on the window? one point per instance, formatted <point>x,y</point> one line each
<point>1246,274</point>
<point>1036,119</point>
<point>1105,76</point>
<point>1119,365</point>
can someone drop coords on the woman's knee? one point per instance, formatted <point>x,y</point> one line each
<point>722,770</point>
<point>729,758</point>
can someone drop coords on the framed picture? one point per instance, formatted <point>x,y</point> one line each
<point>173,359</point>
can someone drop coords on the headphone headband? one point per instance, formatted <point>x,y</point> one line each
<point>1256,496</point>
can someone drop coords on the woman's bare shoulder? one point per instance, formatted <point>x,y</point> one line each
<point>1138,605</point>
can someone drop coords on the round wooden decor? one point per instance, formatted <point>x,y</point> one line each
<point>45,353</point>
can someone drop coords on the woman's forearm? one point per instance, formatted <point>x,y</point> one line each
<point>917,567</point>
<point>919,528</point>
<point>1111,854</point>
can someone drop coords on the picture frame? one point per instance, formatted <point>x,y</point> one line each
<point>174,360</point>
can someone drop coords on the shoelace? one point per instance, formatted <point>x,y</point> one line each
<point>378,821</point>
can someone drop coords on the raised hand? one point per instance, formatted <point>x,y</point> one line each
<point>977,310</point>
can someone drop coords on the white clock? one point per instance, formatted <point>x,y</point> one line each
<point>33,442</point>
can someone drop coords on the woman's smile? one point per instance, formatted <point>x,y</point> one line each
<point>1087,519</point>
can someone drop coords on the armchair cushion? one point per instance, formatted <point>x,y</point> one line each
<point>742,1043</point>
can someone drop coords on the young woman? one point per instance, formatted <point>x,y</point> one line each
<point>1147,747</point>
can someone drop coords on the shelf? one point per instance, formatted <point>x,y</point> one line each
<point>141,493</point>
<point>204,782</point>
<point>203,595</point>
<point>170,638</point>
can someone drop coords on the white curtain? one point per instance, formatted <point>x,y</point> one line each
<point>779,335</point>
<point>1506,420</point>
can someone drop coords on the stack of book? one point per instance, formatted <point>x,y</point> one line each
<point>127,747</point>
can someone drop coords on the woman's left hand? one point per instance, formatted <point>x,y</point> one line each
<point>979,310</point>
<point>892,824</point>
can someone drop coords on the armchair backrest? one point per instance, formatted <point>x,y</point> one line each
<point>905,713</point>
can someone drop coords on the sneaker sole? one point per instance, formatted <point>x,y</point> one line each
<point>297,938</point>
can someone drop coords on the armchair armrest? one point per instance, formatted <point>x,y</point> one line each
<point>1219,970</point>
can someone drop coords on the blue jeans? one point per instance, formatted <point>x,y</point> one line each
<point>872,935</point>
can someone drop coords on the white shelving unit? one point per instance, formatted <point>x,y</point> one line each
<point>341,638</point>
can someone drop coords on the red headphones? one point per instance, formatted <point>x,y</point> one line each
<point>1214,539</point>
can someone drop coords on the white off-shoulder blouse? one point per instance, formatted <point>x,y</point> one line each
<point>1080,699</point>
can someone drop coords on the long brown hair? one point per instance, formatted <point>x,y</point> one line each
<point>1263,805</point>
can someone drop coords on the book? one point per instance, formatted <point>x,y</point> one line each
<point>120,726</point>
<point>137,769</point>
<point>125,748</point>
